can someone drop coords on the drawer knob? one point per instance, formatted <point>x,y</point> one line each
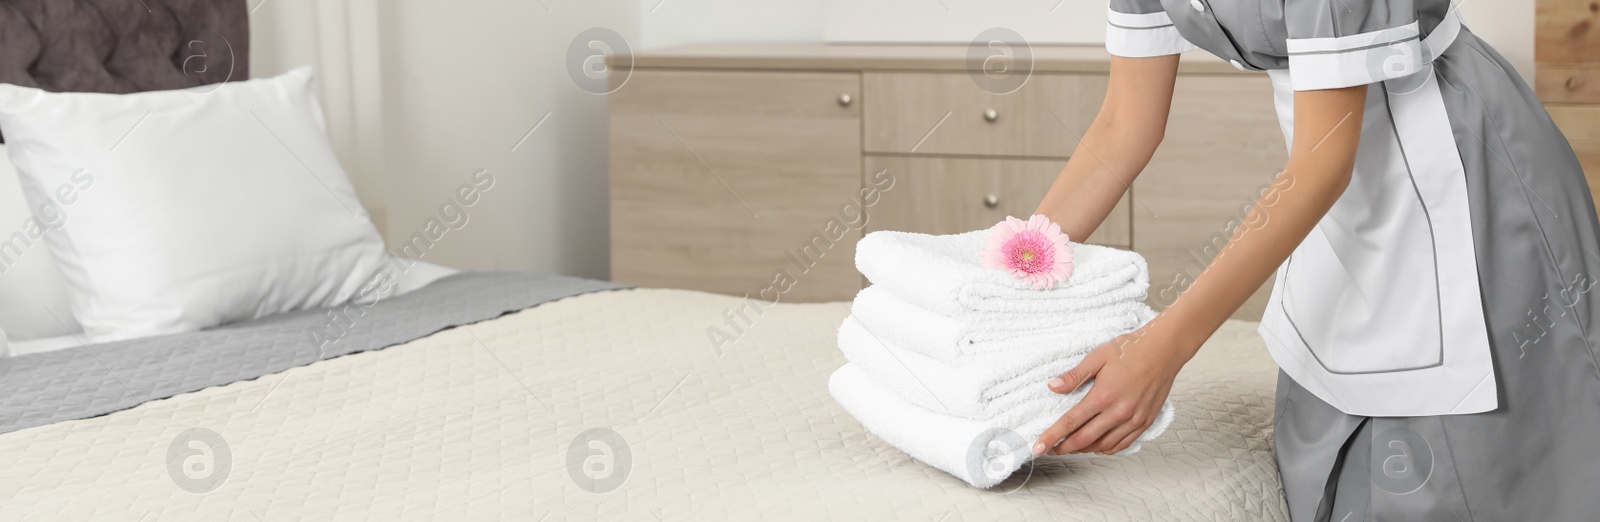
<point>1574,82</point>
<point>991,201</point>
<point>845,100</point>
<point>991,115</point>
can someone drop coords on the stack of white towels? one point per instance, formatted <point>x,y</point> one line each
<point>948,360</point>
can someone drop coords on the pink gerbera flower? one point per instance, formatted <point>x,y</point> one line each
<point>1035,251</point>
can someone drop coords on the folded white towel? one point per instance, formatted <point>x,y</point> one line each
<point>981,453</point>
<point>956,339</point>
<point>945,274</point>
<point>979,389</point>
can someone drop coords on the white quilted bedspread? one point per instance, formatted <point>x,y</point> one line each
<point>474,423</point>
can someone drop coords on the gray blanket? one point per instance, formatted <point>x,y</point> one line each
<point>97,379</point>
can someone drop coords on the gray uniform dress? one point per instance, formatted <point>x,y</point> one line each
<point>1434,330</point>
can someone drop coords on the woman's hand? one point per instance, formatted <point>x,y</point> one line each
<point>1132,375</point>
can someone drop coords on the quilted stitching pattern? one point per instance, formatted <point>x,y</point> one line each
<point>79,383</point>
<point>122,47</point>
<point>119,46</point>
<point>473,423</point>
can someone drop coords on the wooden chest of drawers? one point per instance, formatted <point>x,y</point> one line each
<point>734,166</point>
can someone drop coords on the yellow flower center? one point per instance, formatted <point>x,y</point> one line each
<point>1027,256</point>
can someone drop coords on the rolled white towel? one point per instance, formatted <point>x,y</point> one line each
<point>979,389</point>
<point>982,453</point>
<point>956,339</point>
<point>945,274</point>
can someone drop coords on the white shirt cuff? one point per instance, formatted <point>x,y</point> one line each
<point>1358,59</point>
<point>1143,35</point>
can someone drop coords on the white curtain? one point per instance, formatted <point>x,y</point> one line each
<point>421,94</point>
<point>340,39</point>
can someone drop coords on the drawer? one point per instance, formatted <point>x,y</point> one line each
<point>949,113</point>
<point>954,195</point>
<point>1223,145</point>
<point>720,181</point>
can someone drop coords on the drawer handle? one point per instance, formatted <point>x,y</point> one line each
<point>991,201</point>
<point>1574,82</point>
<point>845,100</point>
<point>991,115</point>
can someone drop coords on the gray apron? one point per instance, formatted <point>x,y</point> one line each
<point>1479,398</point>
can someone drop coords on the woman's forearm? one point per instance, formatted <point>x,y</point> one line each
<point>1099,172</point>
<point>1318,171</point>
<point>1133,374</point>
<point>1118,145</point>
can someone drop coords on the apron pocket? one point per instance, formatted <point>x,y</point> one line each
<point>1364,311</point>
<point>1362,290</point>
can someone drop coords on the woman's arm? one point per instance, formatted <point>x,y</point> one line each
<point>1134,373</point>
<point>1115,147</point>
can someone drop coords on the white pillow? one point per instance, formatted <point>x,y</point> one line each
<point>33,295</point>
<point>191,209</point>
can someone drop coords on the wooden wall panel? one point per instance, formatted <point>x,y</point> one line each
<point>1581,124</point>
<point>1567,50</point>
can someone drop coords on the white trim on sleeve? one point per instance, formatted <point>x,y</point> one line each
<point>1376,56</point>
<point>1138,21</point>
<point>1132,35</point>
<point>1354,42</point>
<point>1358,59</point>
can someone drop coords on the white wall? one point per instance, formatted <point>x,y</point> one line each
<point>672,22</point>
<point>959,21</point>
<point>465,83</point>
<point>1508,26</point>
<point>422,93</point>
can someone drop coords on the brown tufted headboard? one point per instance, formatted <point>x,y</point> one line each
<point>122,46</point>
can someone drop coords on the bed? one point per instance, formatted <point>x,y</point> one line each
<point>475,422</point>
<point>487,396</point>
